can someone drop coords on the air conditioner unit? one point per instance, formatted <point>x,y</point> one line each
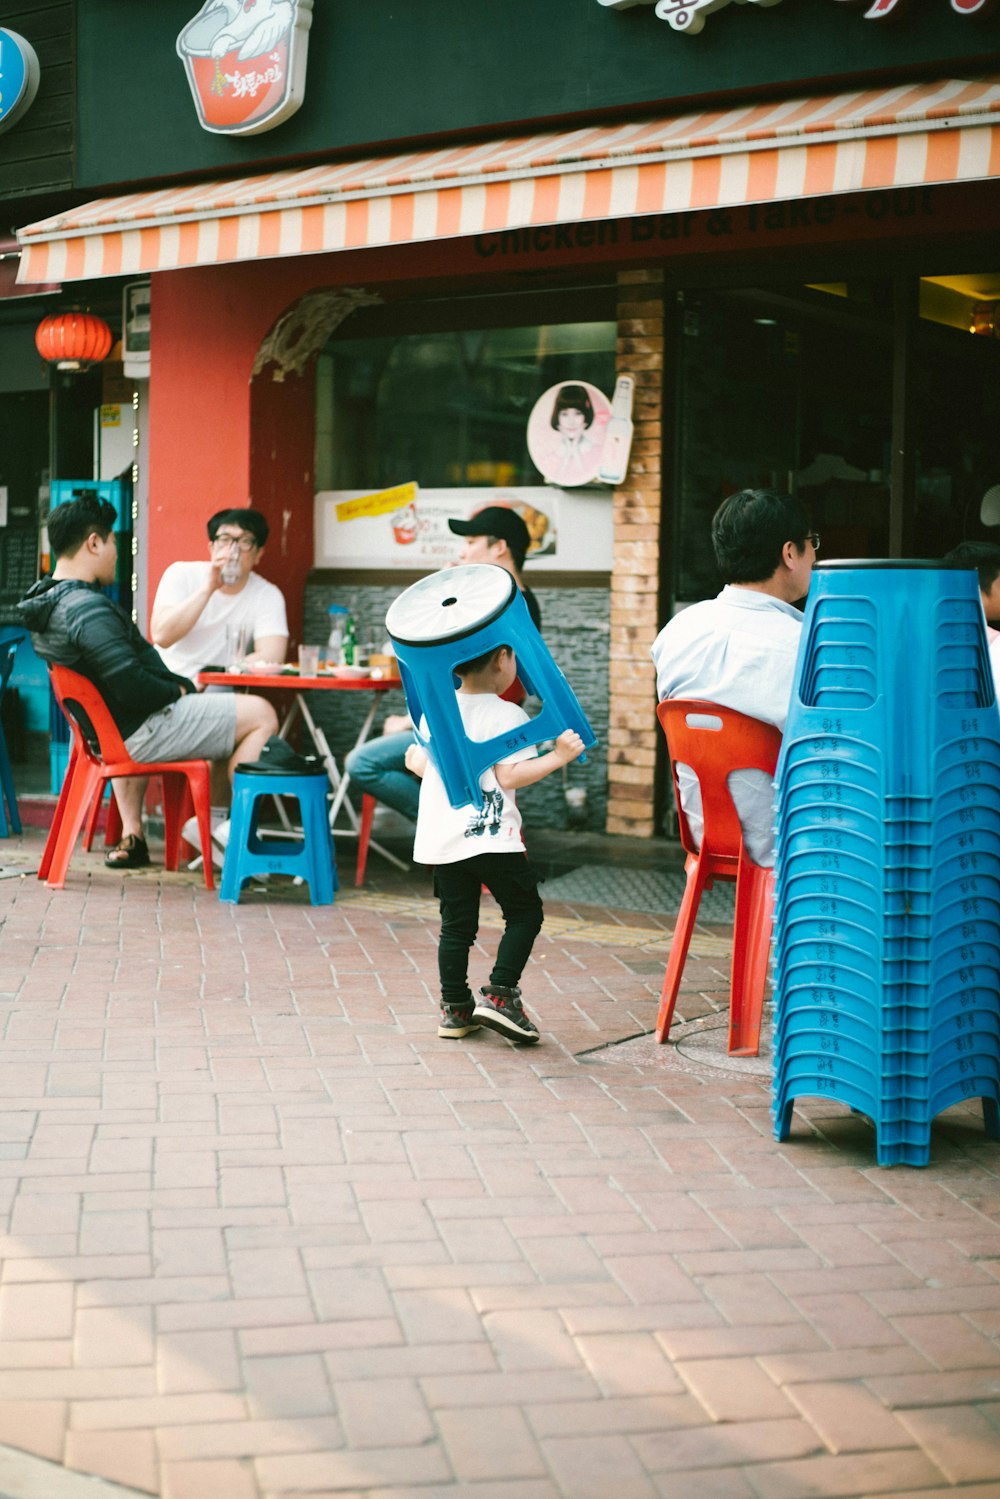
<point>135,330</point>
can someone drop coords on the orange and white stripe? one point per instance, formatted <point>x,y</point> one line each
<point>903,136</point>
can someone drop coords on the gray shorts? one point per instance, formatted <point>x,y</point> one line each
<point>199,726</point>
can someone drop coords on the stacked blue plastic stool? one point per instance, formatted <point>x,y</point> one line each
<point>887,908</point>
<point>310,857</point>
<point>457,615</point>
<point>9,816</point>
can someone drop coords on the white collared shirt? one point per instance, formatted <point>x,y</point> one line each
<point>738,650</point>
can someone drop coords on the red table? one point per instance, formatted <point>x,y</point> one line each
<point>289,680</point>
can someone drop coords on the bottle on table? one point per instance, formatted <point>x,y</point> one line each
<point>338,628</point>
<point>350,642</point>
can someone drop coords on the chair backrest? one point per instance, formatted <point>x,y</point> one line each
<point>89,714</point>
<point>714,742</point>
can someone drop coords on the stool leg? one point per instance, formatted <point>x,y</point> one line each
<point>320,856</point>
<point>240,816</point>
<point>364,837</point>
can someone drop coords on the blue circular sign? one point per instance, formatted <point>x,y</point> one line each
<point>19,75</point>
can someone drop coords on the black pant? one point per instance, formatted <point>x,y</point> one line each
<point>511,880</point>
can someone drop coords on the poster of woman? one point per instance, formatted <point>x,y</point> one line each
<point>566,433</point>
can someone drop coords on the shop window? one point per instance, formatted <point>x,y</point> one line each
<point>788,388</point>
<point>447,409</point>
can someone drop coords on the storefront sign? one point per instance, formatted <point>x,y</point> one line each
<point>689,15</point>
<point>19,75</point>
<point>380,502</point>
<point>683,15</point>
<point>246,62</point>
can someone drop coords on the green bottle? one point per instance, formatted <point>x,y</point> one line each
<point>349,641</point>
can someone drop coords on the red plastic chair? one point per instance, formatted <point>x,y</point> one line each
<point>98,754</point>
<point>364,836</point>
<point>728,741</point>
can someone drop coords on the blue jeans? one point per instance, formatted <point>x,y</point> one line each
<point>379,767</point>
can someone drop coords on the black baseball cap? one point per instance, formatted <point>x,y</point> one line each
<point>499,521</point>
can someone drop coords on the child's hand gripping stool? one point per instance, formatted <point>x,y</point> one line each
<point>470,848</point>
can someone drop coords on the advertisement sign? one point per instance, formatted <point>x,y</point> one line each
<point>570,531</point>
<point>246,62</point>
<point>19,76</point>
<point>566,433</point>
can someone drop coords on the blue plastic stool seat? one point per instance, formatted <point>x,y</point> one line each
<point>310,857</point>
<point>457,615</point>
<point>8,801</point>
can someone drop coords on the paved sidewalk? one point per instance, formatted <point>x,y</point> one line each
<point>267,1236</point>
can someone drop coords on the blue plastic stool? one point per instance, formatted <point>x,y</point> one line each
<point>8,801</point>
<point>247,853</point>
<point>454,616</point>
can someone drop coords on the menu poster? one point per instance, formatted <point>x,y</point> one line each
<point>407,527</point>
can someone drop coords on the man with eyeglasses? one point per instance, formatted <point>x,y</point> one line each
<point>195,605</point>
<point>739,649</point>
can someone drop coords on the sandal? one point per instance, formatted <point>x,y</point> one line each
<point>130,853</point>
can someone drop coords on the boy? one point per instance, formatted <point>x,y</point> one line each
<point>470,849</point>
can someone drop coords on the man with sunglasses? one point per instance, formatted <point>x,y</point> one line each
<point>739,649</point>
<point>197,602</point>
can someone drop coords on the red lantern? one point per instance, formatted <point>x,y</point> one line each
<point>72,340</point>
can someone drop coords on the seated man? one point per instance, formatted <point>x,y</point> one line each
<point>495,534</point>
<point>739,649</point>
<point>195,605</point>
<point>160,714</point>
<point>983,557</point>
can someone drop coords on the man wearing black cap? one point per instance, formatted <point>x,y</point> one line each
<point>494,534</point>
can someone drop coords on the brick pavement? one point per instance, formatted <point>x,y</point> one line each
<point>265,1235</point>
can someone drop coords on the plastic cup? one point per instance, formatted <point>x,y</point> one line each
<point>308,660</point>
<point>237,641</point>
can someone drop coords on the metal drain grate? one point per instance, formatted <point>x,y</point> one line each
<point>654,890</point>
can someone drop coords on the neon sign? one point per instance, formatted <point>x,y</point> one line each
<point>689,15</point>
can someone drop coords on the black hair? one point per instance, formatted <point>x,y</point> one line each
<point>241,515</point>
<point>572,398</point>
<point>749,532</point>
<point>982,556</point>
<point>480,663</point>
<point>70,524</point>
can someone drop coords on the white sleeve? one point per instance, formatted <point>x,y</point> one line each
<point>176,585</point>
<point>270,617</point>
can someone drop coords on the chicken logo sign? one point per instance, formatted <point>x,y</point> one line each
<point>246,62</point>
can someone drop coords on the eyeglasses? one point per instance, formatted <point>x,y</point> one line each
<point>813,536</point>
<point>227,539</point>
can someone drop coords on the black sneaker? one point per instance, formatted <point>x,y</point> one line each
<point>456,1021</point>
<point>501,1010</point>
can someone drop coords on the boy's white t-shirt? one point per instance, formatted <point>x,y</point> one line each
<point>259,606</point>
<point>446,834</point>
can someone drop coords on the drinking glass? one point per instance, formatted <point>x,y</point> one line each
<point>237,643</point>
<point>308,660</point>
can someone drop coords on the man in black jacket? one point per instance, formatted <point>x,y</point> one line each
<point>161,716</point>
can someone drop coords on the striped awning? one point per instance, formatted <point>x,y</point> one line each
<point>904,136</point>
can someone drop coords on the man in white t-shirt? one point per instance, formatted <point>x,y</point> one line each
<point>197,602</point>
<point>195,605</point>
<point>739,649</point>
